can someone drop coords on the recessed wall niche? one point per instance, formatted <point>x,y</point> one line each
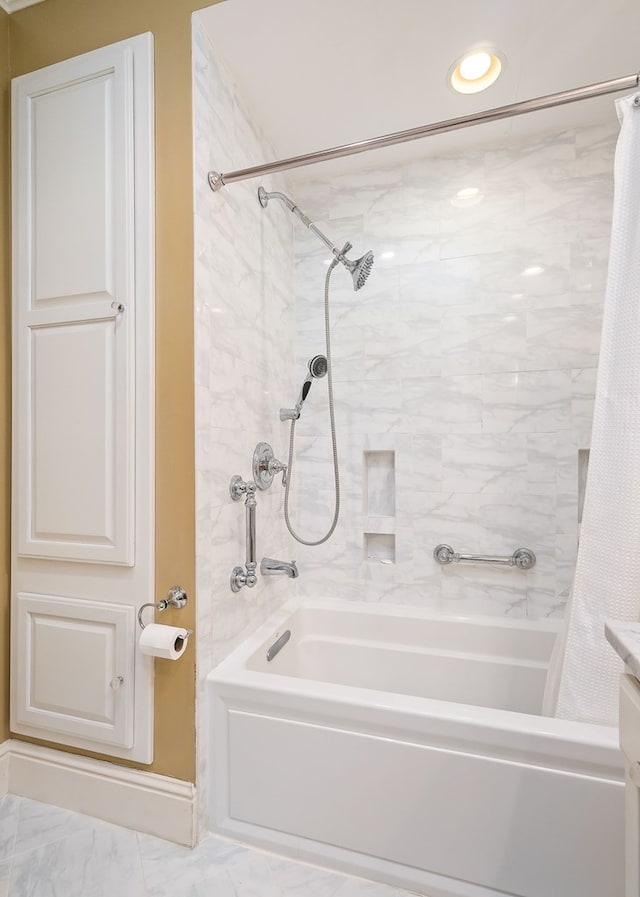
<point>380,547</point>
<point>380,484</point>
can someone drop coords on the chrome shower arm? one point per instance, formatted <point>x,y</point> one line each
<point>358,269</point>
<point>264,198</point>
<point>337,253</point>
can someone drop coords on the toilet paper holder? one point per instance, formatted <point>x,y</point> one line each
<point>176,597</point>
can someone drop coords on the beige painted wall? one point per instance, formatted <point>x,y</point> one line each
<point>5,383</point>
<point>59,29</point>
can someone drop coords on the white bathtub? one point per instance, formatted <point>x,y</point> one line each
<point>408,747</point>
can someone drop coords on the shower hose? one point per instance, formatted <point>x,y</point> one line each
<point>332,418</point>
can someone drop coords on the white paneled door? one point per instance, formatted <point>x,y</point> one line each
<point>83,398</point>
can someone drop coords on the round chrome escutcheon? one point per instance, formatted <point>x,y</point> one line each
<point>262,470</point>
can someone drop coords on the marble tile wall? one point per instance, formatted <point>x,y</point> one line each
<point>471,353</point>
<point>244,349</point>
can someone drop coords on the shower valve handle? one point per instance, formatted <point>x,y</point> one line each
<point>266,466</point>
<point>276,467</point>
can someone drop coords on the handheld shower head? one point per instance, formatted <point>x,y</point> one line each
<point>317,368</point>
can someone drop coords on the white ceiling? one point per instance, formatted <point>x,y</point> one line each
<point>320,73</point>
<point>15,5</point>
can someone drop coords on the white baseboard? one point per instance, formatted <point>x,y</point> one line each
<point>149,803</point>
<point>5,749</point>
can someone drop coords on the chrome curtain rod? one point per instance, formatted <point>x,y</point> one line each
<point>218,180</point>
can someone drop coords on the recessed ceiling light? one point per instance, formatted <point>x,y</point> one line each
<point>387,255</point>
<point>476,70</point>
<point>475,66</point>
<point>533,271</point>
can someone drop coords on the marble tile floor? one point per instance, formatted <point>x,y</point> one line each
<point>49,852</point>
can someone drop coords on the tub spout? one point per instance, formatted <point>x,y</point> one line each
<point>271,567</point>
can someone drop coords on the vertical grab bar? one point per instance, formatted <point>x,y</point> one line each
<point>250,507</point>
<point>245,576</point>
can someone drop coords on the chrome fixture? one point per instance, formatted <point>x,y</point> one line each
<point>176,597</point>
<point>319,364</point>
<point>359,269</point>
<point>523,558</point>
<point>317,368</point>
<point>271,567</point>
<point>629,82</point>
<point>266,466</point>
<point>245,576</point>
<point>279,644</point>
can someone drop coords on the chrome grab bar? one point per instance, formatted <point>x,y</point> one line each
<point>245,576</point>
<point>523,558</point>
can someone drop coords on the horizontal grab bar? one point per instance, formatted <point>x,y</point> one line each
<point>523,558</point>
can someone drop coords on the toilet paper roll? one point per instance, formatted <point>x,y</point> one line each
<point>158,640</point>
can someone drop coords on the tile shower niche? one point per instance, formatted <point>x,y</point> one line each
<point>380,507</point>
<point>380,484</point>
<point>380,547</point>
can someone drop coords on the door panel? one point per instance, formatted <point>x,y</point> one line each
<point>79,665</point>
<point>76,427</point>
<point>73,132</point>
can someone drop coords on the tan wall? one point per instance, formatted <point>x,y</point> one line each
<point>56,30</point>
<point>5,381</point>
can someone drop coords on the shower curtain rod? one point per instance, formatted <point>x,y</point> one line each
<point>218,180</point>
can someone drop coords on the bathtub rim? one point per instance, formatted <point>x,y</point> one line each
<point>265,633</point>
<point>582,748</point>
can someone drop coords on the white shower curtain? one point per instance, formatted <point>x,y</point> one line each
<point>584,677</point>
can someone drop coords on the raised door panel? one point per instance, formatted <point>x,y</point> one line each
<point>75,440</point>
<point>72,190</point>
<point>74,179</point>
<point>75,301</point>
<point>76,672</point>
